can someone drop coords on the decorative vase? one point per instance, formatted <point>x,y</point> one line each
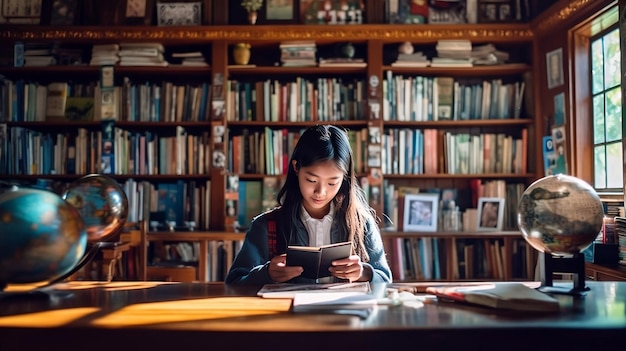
<point>252,16</point>
<point>241,53</point>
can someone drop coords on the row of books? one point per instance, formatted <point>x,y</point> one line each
<point>432,151</point>
<point>181,201</point>
<point>24,101</point>
<point>426,258</point>
<point>27,101</point>
<point>422,98</point>
<point>321,99</point>
<point>25,151</point>
<point>267,151</point>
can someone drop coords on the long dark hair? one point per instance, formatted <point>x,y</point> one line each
<point>352,212</point>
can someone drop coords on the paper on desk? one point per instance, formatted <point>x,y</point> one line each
<point>319,302</point>
<point>287,290</point>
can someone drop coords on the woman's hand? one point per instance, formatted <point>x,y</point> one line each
<point>351,269</point>
<point>280,272</point>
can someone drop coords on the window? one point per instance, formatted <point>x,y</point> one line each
<point>606,110</point>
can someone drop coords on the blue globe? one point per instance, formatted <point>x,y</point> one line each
<point>101,203</point>
<point>42,237</point>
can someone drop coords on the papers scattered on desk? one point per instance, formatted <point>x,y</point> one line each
<point>286,290</point>
<point>354,303</point>
<point>501,295</point>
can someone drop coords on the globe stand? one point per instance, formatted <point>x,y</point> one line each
<point>550,264</point>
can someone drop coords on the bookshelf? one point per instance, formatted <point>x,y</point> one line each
<point>206,181</point>
<point>202,267</point>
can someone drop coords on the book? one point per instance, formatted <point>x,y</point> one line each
<point>289,290</point>
<point>317,259</point>
<point>353,303</point>
<point>500,295</point>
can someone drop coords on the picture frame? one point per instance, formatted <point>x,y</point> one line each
<point>554,68</point>
<point>136,12</point>
<point>279,12</point>
<point>421,212</point>
<point>332,12</point>
<point>495,11</point>
<point>179,13</point>
<point>490,213</point>
<point>21,11</point>
<point>406,12</point>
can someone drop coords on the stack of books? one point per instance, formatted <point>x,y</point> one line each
<point>142,54</point>
<point>453,53</point>
<point>194,58</point>
<point>416,59</point>
<point>104,55</point>
<point>38,55</point>
<point>298,53</point>
<point>488,55</point>
<point>342,62</point>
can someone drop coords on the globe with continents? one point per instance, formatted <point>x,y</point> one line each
<point>101,203</point>
<point>560,214</point>
<point>42,237</point>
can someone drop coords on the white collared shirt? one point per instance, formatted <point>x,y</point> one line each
<point>319,229</point>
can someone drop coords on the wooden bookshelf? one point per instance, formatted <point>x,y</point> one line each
<point>599,272</point>
<point>216,42</point>
<point>185,272</point>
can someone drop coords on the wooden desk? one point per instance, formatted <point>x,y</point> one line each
<point>186,316</point>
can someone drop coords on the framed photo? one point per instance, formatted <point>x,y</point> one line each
<point>495,11</point>
<point>179,13</point>
<point>407,11</point>
<point>490,213</point>
<point>554,68</point>
<point>279,12</point>
<point>420,212</point>
<point>20,11</point>
<point>332,12</point>
<point>559,109</point>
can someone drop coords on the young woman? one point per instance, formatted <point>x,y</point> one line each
<point>320,203</point>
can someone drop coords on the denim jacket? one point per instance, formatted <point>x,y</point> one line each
<point>252,262</point>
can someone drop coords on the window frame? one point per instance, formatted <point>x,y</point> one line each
<point>580,118</point>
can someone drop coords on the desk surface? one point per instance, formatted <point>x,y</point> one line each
<point>153,316</point>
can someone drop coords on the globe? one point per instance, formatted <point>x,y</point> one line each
<point>560,215</point>
<point>42,237</point>
<point>101,203</point>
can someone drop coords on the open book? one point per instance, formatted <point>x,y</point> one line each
<point>500,295</point>
<point>317,259</point>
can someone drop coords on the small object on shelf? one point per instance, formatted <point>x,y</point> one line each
<point>154,226</point>
<point>190,225</point>
<point>406,48</point>
<point>347,50</point>
<point>252,6</point>
<point>241,53</point>
<point>171,225</point>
